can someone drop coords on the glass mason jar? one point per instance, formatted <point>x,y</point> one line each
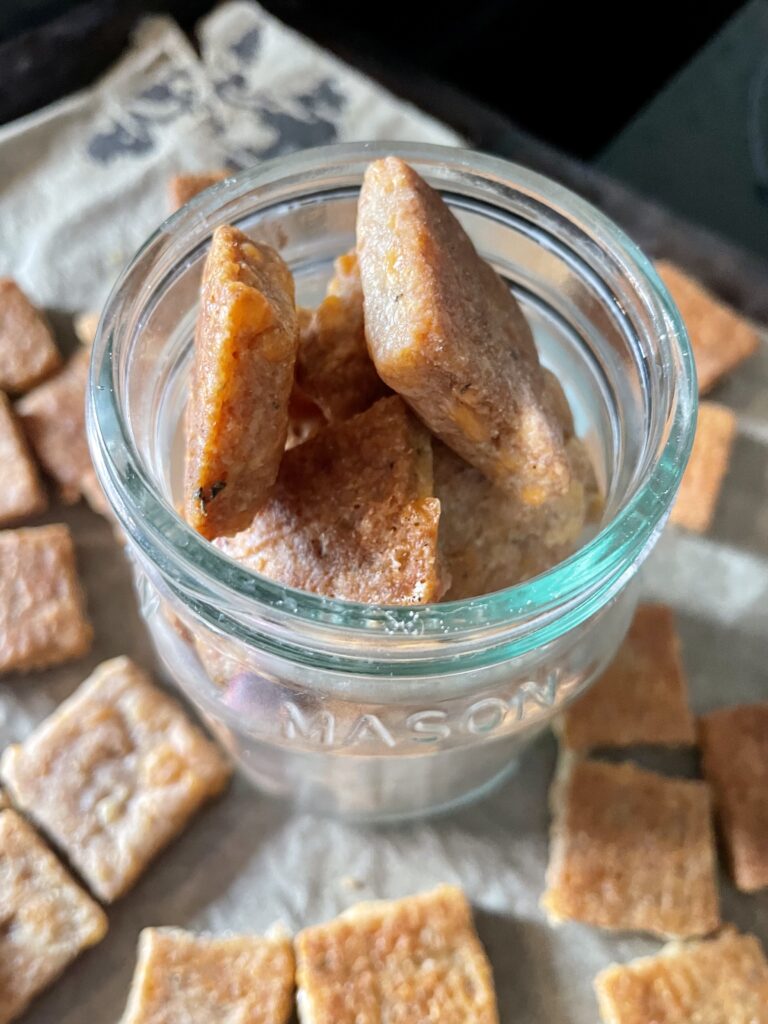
<point>383,712</point>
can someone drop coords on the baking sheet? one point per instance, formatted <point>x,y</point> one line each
<point>248,861</point>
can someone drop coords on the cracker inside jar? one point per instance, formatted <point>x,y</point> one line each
<point>400,444</point>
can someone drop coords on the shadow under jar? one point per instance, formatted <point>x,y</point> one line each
<point>377,712</point>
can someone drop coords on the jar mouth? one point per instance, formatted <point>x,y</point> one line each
<point>348,636</point>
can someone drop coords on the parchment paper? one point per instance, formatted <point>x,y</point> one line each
<point>69,218</point>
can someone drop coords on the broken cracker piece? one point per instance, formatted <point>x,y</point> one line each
<point>642,697</point>
<point>447,334</point>
<point>631,851</point>
<point>734,758</point>
<point>721,339</point>
<point>350,515</point>
<point>113,775</point>
<point>183,187</point>
<point>695,504</point>
<point>47,919</point>
<point>22,494</point>
<point>42,610</point>
<point>720,981</point>
<point>245,349</point>
<point>181,978</point>
<point>410,960</point>
<point>28,353</point>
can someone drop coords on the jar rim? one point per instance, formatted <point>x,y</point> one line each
<point>345,635</point>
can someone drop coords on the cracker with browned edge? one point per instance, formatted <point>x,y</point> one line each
<point>351,514</point>
<point>42,610</point>
<point>245,350</point>
<point>28,353</point>
<point>631,851</point>
<point>734,757</point>
<point>182,978</point>
<point>720,981</point>
<point>183,187</point>
<point>642,697</point>
<point>694,507</point>
<point>447,334</point>
<point>47,919</point>
<point>720,338</point>
<point>113,775</point>
<point>409,960</point>
<point>22,493</point>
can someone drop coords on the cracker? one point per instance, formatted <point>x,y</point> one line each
<point>182,978</point>
<point>183,187</point>
<point>245,349</point>
<point>86,325</point>
<point>447,334</point>
<point>47,919</point>
<point>642,698</point>
<point>632,851</point>
<point>28,353</point>
<point>333,366</point>
<point>721,981</point>
<point>734,749</point>
<point>694,507</point>
<point>720,338</point>
<point>410,960</point>
<point>350,515</point>
<point>22,494</point>
<point>113,775</point>
<point>42,610</point>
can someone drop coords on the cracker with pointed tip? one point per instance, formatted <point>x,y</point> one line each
<point>333,366</point>
<point>47,919</point>
<point>183,187</point>
<point>182,978</point>
<point>28,353</point>
<point>42,611</point>
<point>245,350</point>
<point>411,960</point>
<point>642,698</point>
<point>631,851</point>
<point>721,339</point>
<point>351,514</point>
<point>113,775</point>
<point>694,507</point>
<point>22,494</point>
<point>447,334</point>
<point>734,758</point>
<point>720,981</point>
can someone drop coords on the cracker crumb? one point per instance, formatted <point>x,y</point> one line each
<point>183,187</point>
<point>695,505</point>
<point>28,353</point>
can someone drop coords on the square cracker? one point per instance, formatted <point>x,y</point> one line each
<point>22,493</point>
<point>28,352</point>
<point>410,960</point>
<point>734,749</point>
<point>47,919</point>
<point>42,610</point>
<point>720,338</point>
<point>642,697</point>
<point>694,507</point>
<point>632,851</point>
<point>350,516</point>
<point>113,775</point>
<point>181,978</point>
<point>183,187</point>
<point>721,981</point>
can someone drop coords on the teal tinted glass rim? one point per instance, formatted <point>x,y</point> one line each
<point>316,630</point>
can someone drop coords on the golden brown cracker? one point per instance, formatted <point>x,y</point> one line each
<point>694,507</point>
<point>720,338</point>
<point>642,698</point>
<point>47,919</point>
<point>183,187</point>
<point>22,494</point>
<point>28,353</point>
<point>245,349</point>
<point>734,755</point>
<point>720,981</point>
<point>181,978</point>
<point>350,515</point>
<point>631,851</point>
<point>113,775</point>
<point>410,960</point>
